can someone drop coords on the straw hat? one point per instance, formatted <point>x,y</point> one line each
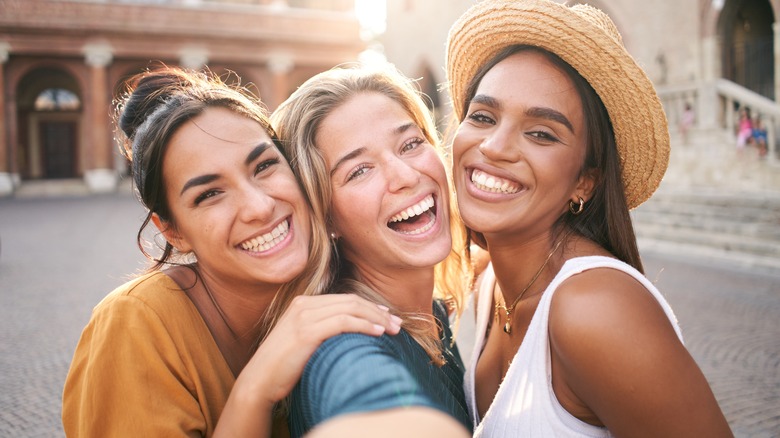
<point>586,38</point>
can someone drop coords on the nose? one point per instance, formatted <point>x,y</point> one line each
<point>254,204</point>
<point>401,174</point>
<point>501,144</point>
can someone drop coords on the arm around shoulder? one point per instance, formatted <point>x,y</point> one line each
<point>618,362</point>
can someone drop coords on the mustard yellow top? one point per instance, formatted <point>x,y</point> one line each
<point>146,365</point>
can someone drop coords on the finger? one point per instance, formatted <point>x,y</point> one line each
<point>336,324</point>
<point>316,308</point>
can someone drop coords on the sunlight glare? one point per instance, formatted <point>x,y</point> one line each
<point>372,15</point>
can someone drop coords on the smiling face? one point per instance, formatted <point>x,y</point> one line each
<point>518,153</point>
<point>234,201</point>
<point>389,205</point>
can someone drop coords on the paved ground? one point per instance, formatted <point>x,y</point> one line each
<point>59,256</point>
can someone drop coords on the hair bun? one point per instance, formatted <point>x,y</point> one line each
<point>149,91</point>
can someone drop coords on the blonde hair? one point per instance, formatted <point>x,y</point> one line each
<point>297,121</point>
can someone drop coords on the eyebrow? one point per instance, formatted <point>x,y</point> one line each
<point>550,114</point>
<point>346,158</point>
<point>537,112</point>
<point>205,179</point>
<point>256,152</point>
<point>400,129</point>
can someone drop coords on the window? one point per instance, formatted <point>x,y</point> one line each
<point>57,99</point>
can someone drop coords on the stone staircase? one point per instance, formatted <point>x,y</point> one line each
<point>715,204</point>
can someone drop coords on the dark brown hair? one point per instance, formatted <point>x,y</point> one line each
<point>605,219</point>
<point>157,103</point>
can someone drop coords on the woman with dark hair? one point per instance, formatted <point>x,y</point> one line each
<point>560,134</point>
<point>163,353</point>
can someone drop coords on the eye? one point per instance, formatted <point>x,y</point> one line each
<point>480,117</point>
<point>358,171</point>
<point>205,195</point>
<point>265,164</point>
<point>412,144</point>
<point>543,137</point>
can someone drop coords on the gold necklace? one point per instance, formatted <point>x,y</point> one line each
<point>510,309</point>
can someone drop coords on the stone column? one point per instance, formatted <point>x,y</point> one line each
<point>776,44</point>
<point>99,174</point>
<point>707,107</point>
<point>6,177</point>
<point>279,64</point>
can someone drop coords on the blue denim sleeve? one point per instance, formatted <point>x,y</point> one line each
<point>354,373</point>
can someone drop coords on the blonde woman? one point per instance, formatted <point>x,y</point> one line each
<point>365,147</point>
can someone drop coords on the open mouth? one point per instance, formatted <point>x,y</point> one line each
<point>493,184</point>
<point>268,240</point>
<point>416,219</point>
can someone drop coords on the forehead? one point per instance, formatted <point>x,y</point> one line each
<point>217,126</point>
<point>362,121</point>
<point>529,76</point>
<point>215,137</point>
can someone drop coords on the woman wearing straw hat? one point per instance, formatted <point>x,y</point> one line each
<point>561,133</point>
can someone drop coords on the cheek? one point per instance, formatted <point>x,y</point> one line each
<point>465,137</point>
<point>432,164</point>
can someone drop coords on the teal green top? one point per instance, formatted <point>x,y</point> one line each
<point>359,373</point>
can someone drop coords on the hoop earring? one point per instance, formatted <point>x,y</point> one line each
<point>580,207</point>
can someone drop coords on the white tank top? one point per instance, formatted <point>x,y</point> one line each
<point>525,404</point>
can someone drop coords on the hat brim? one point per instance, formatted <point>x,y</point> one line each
<point>637,116</point>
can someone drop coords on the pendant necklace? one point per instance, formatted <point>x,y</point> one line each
<point>509,309</point>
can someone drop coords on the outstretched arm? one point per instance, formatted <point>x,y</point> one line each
<point>278,363</point>
<point>415,421</point>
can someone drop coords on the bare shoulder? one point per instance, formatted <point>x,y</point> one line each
<point>601,298</point>
<point>617,360</point>
<point>605,312</point>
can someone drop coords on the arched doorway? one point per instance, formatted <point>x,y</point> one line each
<point>49,109</point>
<point>745,30</point>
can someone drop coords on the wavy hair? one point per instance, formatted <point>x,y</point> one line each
<point>154,106</point>
<point>297,122</point>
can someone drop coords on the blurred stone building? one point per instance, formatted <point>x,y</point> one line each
<point>62,62</point>
<point>715,55</point>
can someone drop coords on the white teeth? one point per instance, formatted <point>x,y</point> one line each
<point>415,210</point>
<point>493,184</point>
<point>267,240</point>
<point>423,229</point>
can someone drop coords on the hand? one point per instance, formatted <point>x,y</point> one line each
<point>278,363</point>
<point>304,326</point>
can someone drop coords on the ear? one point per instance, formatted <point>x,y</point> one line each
<point>171,235</point>
<point>586,183</point>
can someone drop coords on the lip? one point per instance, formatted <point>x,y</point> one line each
<point>267,241</point>
<point>436,210</point>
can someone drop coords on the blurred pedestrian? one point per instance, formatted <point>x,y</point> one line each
<point>744,128</point>
<point>760,136</point>
<point>687,119</point>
